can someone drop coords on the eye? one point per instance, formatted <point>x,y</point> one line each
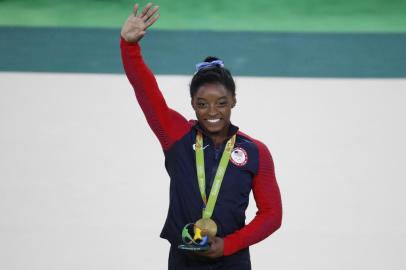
<point>201,104</point>
<point>222,103</point>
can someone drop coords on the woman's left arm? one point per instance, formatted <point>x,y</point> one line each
<point>268,200</point>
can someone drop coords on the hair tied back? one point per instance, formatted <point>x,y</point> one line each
<point>211,64</point>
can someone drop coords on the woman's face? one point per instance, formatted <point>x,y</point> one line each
<point>212,104</point>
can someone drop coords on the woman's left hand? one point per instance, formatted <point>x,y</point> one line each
<point>216,248</point>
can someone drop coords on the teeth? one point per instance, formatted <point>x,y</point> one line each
<point>213,120</point>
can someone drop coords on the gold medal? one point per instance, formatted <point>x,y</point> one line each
<point>208,226</point>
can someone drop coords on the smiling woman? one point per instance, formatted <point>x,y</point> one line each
<point>213,96</point>
<point>197,155</point>
<point>212,104</point>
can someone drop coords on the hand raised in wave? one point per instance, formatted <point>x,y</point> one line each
<point>136,24</point>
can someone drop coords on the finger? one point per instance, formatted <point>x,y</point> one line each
<point>135,9</point>
<point>207,254</point>
<point>151,21</point>
<point>150,13</point>
<point>145,10</point>
<point>210,251</point>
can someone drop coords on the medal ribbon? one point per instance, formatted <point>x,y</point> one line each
<point>218,179</point>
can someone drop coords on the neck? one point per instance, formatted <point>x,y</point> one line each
<point>218,140</point>
<point>219,137</point>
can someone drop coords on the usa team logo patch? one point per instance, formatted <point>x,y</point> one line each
<point>239,156</point>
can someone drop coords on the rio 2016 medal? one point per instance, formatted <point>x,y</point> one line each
<point>208,226</point>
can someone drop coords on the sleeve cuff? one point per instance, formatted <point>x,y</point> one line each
<point>128,44</point>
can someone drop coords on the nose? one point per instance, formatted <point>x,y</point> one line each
<point>212,110</point>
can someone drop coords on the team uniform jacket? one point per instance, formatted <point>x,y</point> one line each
<point>250,168</point>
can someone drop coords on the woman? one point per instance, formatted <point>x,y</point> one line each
<point>228,161</point>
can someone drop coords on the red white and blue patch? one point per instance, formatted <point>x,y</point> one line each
<point>239,157</point>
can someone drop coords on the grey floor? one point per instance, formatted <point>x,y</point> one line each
<point>83,186</point>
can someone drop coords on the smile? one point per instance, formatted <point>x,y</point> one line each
<point>213,120</point>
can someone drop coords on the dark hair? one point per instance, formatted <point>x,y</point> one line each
<point>213,74</point>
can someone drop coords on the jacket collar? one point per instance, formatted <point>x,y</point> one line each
<point>231,130</point>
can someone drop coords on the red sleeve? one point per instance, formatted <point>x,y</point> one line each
<point>268,200</point>
<point>167,124</point>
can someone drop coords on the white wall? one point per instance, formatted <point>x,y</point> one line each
<point>83,186</point>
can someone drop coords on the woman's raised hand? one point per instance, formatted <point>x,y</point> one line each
<point>136,25</point>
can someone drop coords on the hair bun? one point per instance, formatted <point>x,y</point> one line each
<point>212,70</point>
<point>210,62</point>
<point>211,59</point>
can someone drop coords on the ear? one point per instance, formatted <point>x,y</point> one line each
<point>234,102</point>
<point>192,103</point>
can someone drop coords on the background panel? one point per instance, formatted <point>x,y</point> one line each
<point>82,181</point>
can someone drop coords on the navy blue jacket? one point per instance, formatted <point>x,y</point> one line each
<point>250,168</point>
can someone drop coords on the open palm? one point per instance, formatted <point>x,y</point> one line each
<point>136,25</point>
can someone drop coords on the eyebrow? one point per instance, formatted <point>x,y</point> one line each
<point>200,98</point>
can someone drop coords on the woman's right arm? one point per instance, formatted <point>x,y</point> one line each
<point>167,124</point>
